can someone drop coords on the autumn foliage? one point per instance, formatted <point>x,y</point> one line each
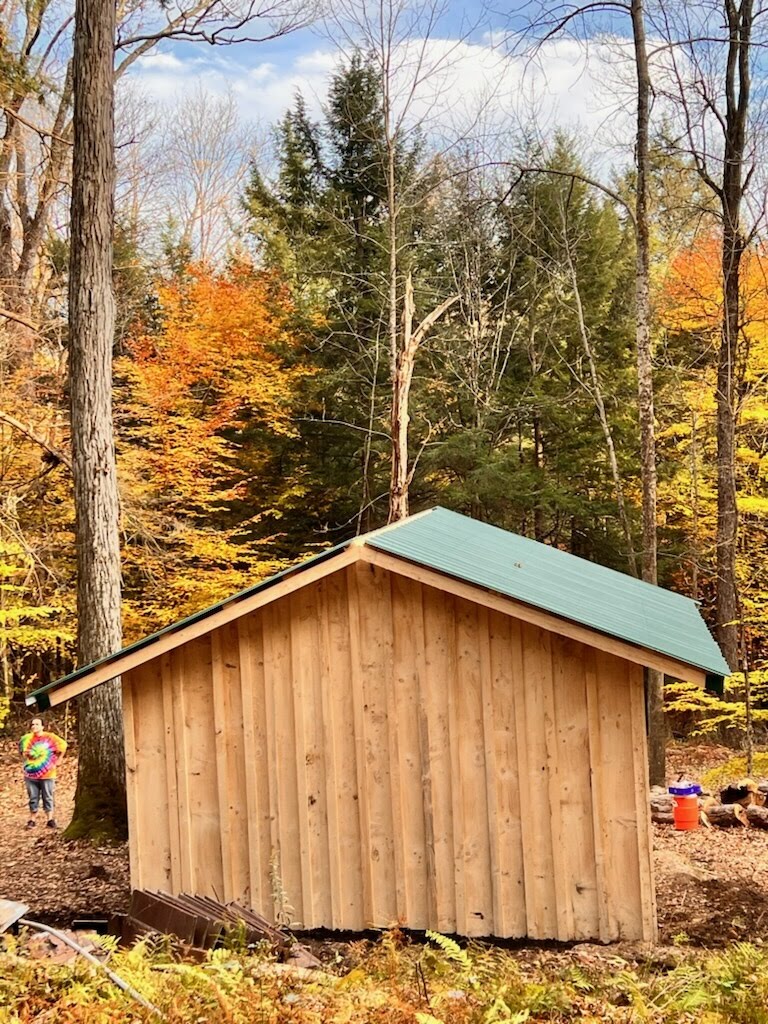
<point>691,304</point>
<point>200,385</point>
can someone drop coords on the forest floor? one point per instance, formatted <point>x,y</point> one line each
<point>58,880</point>
<point>710,883</point>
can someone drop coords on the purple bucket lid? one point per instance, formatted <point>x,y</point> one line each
<point>685,789</point>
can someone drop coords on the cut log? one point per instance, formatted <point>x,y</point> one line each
<point>745,792</point>
<point>727,815</point>
<point>757,816</point>
<point>662,817</point>
<point>706,803</point>
<point>661,808</point>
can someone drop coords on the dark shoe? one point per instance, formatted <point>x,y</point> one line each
<point>31,823</point>
<point>51,823</point>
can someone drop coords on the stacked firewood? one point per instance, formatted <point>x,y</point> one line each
<point>739,805</point>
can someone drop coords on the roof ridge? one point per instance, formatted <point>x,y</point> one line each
<point>363,538</point>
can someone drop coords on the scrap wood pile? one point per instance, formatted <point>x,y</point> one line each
<point>740,805</point>
<point>199,923</point>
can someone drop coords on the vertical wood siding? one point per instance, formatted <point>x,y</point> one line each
<point>370,751</point>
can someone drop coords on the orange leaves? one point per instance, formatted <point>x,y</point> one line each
<point>692,296</point>
<point>217,348</point>
<point>691,307</point>
<point>215,363</point>
<point>204,398</point>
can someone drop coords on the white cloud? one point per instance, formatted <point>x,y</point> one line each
<point>154,62</point>
<point>318,62</point>
<point>570,86</point>
<point>262,73</point>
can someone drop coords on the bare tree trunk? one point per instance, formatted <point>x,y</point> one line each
<point>694,507</point>
<point>740,21</point>
<point>100,797</point>
<point>727,514</point>
<point>398,358</point>
<point>538,462</point>
<point>657,728</point>
<point>402,376</point>
<point>597,394</point>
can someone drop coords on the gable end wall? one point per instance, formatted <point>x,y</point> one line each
<point>370,751</point>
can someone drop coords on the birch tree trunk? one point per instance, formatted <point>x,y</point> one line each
<point>100,797</point>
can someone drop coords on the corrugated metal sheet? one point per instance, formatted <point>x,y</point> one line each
<point>557,582</point>
<point>514,566</point>
<point>146,641</point>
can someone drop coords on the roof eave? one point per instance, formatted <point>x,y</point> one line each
<point>114,665</point>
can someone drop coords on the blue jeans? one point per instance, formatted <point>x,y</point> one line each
<point>37,788</point>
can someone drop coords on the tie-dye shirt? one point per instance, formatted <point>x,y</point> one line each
<point>41,751</point>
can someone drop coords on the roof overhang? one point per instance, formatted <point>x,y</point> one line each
<point>315,569</point>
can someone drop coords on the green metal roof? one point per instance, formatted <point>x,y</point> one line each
<point>555,581</point>
<point>39,696</point>
<point>537,574</point>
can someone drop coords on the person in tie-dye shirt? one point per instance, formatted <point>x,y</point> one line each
<point>41,752</point>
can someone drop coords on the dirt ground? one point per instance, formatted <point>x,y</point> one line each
<point>58,880</point>
<point>710,884</point>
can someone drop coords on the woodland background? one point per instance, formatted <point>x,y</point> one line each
<point>260,406</point>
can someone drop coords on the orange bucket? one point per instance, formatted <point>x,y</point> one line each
<point>685,809</point>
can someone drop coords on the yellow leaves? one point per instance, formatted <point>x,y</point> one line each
<point>753,505</point>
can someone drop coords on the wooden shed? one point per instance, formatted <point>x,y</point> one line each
<point>439,724</point>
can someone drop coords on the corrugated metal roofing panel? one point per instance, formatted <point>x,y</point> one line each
<point>517,567</point>
<point>557,582</point>
<point>174,627</point>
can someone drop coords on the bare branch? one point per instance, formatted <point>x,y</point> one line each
<point>30,434</point>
